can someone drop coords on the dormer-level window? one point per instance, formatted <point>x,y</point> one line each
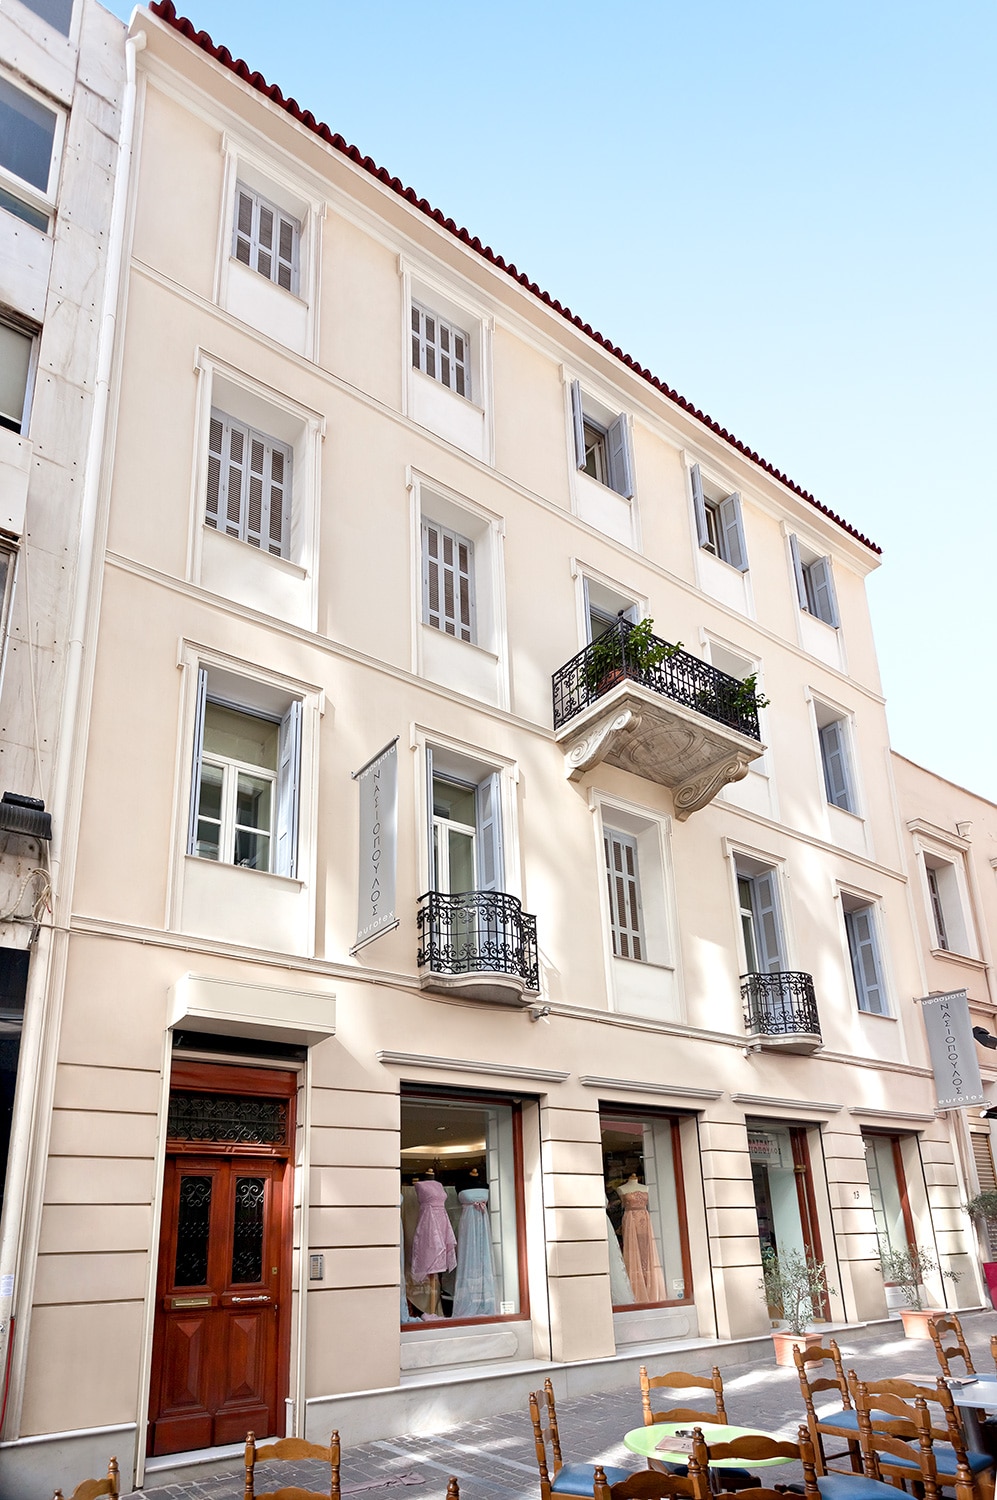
<point>266,238</point>
<point>814,583</point>
<point>441,350</point>
<point>602,443</point>
<point>719,528</point>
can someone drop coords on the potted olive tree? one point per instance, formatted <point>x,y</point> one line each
<point>983,1208</point>
<point>906,1270</point>
<point>795,1285</point>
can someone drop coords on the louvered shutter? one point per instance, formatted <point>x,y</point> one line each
<point>801,583</point>
<point>288,782</point>
<point>864,949</point>
<point>236,440</point>
<point>434,879</point>
<point>835,759</point>
<point>983,1156</point>
<point>578,423</point>
<point>624,895</point>
<point>286,251</point>
<point>214,502</point>
<point>620,462</point>
<point>488,807</point>
<point>244,216</point>
<point>732,533</point>
<point>699,505</point>
<point>768,935</point>
<point>201,698</point>
<point>448,581</point>
<point>825,603</point>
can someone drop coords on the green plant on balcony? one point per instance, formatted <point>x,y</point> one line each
<point>615,655</point>
<point>746,698</point>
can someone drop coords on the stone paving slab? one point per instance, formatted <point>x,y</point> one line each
<point>493,1459</point>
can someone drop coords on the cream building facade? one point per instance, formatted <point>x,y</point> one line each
<point>640,998</point>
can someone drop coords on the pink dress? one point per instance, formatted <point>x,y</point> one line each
<point>640,1253</point>
<point>434,1247</point>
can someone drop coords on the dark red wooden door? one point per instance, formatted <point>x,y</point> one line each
<point>214,1372</point>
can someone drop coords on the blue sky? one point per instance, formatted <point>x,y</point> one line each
<point>786,210</point>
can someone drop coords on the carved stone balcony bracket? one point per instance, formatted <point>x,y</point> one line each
<point>640,731</point>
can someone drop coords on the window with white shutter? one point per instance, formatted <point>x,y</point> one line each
<point>626,921</point>
<point>447,581</point>
<point>249,485</point>
<point>867,967</point>
<point>266,238</point>
<point>602,443</point>
<point>835,761</point>
<point>719,528</point>
<point>441,350</point>
<point>814,583</point>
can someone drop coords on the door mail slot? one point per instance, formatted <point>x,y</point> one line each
<point>190,1301</point>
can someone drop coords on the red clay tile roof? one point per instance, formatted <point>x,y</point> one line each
<point>167,11</point>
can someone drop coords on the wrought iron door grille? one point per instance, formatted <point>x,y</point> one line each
<point>253,1120</point>
<point>683,678</point>
<point>477,932</point>
<point>782,1004</point>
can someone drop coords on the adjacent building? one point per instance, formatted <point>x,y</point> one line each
<point>485,926</point>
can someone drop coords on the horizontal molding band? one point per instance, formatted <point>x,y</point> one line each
<point>807,1106</point>
<point>465,1065</point>
<point>891,1114</point>
<point>631,1086</point>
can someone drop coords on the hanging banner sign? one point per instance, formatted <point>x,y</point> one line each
<point>378,845</point>
<point>953,1049</point>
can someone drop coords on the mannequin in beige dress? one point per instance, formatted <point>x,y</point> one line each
<point>640,1252</point>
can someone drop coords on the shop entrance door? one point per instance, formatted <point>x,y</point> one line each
<point>224,1281</point>
<point>784,1192</point>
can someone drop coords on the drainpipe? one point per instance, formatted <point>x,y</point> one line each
<point>43,1002</point>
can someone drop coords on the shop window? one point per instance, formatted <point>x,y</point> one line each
<point>461,1209</point>
<point>645,1209</point>
<point>888,1191</point>
<point>602,443</point>
<point>785,1205</point>
<point>814,582</point>
<point>719,528</point>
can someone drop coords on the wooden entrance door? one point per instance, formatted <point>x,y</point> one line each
<point>219,1362</point>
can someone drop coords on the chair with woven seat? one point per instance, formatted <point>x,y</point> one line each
<point>841,1424</point>
<point>90,1489</point>
<point>557,1477</point>
<point>292,1450</point>
<point>938,1327</point>
<point>756,1448</point>
<point>679,1380</point>
<point>892,1403</point>
<point>653,1484</point>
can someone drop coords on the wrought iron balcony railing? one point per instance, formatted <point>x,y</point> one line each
<point>478,932</point>
<point>684,679</point>
<point>780,1005</point>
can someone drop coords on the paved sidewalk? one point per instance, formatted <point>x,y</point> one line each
<point>493,1459</point>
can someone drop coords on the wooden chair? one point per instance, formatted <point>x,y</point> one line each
<point>292,1450</point>
<point>679,1380</point>
<point>653,1484</point>
<point>895,1450</point>
<point>959,1350</point>
<point>838,1424</point>
<point>89,1489</point>
<point>892,1402</point>
<point>753,1449</point>
<point>557,1477</point>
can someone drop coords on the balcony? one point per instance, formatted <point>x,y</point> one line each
<point>780,1012</point>
<point>480,944</point>
<point>637,702</point>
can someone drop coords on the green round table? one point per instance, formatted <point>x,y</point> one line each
<point>645,1440</point>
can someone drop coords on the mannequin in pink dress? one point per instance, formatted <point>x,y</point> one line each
<point>640,1253</point>
<point>434,1245</point>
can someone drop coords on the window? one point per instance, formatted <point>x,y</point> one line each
<point>58,13</point>
<point>761,928</point>
<point>462,1207</point>
<point>604,607</point>
<point>447,581</point>
<point>948,918</point>
<point>718,522</point>
<point>814,583</point>
<point>266,238</point>
<point>602,443</point>
<point>249,485</point>
<point>645,1209</point>
<point>466,845</point>
<point>244,787</point>
<point>863,949</point>
<point>832,735</point>
<point>27,142</point>
<point>441,350</point>
<point>626,919</point>
<point>16,349</point>
<point>888,1191</point>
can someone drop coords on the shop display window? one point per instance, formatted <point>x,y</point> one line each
<point>461,1209</point>
<point>645,1221</point>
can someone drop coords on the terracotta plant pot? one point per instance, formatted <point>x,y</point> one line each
<point>785,1342</point>
<point>916,1321</point>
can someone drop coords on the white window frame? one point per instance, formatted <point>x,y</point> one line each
<point>829,716</point>
<point>465,421</point>
<point>246,473</point>
<point>813,574</point>
<point>459,621</point>
<point>614,430</point>
<point>719,521</point>
<point>10,319</point>
<point>853,905</point>
<point>757,874</point>
<point>440,343</point>
<point>948,856</point>
<point>748,666</point>
<point>658,966</point>
<point>40,200</point>
<point>458,761</point>
<point>252,241</point>
<point>626,912</point>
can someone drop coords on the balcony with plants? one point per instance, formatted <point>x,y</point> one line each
<point>638,702</point>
